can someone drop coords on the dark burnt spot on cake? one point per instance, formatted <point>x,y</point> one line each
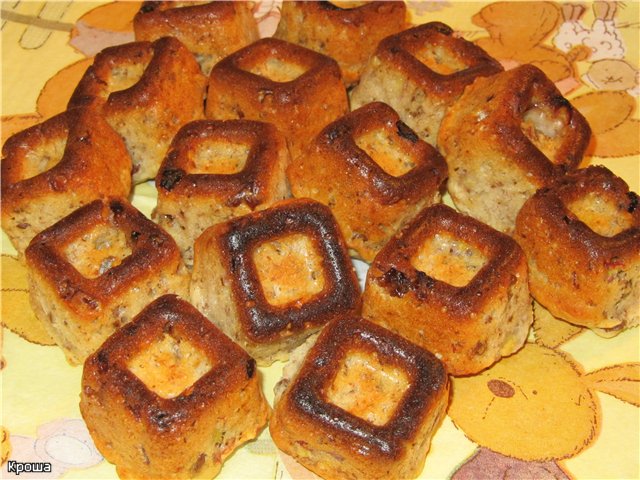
<point>249,195</point>
<point>442,28</point>
<point>337,131</point>
<point>324,4</point>
<point>102,361</point>
<point>161,418</point>
<point>148,7</point>
<point>406,132</point>
<point>171,177</point>
<point>397,282</point>
<point>633,201</point>
<point>423,284</point>
<point>558,101</point>
<point>116,207</point>
<point>251,368</point>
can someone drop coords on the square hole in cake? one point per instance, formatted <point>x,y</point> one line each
<point>600,214</point>
<point>384,149</point>
<point>125,76</point>
<point>97,250</point>
<point>275,69</point>
<point>439,59</point>
<point>44,157</point>
<point>215,157</point>
<point>448,259</point>
<point>289,269</point>
<point>367,388</point>
<point>545,127</point>
<point>169,366</point>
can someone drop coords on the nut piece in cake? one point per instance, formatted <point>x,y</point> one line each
<point>421,72</point>
<point>51,169</point>
<point>272,278</point>
<point>210,30</point>
<point>170,396</point>
<point>94,270</point>
<point>146,91</point>
<point>364,404</point>
<point>348,34</point>
<point>374,173</point>
<point>507,136</point>
<point>581,235</point>
<point>298,90</point>
<point>216,170</point>
<point>453,285</point>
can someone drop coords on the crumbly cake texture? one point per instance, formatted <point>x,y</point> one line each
<point>210,31</point>
<point>581,235</point>
<point>374,173</point>
<point>298,90</point>
<point>454,286</point>
<point>272,278</point>
<point>350,35</point>
<point>507,136</point>
<point>94,270</point>
<point>55,167</point>
<point>148,432</point>
<point>217,170</point>
<point>421,72</point>
<point>364,404</point>
<point>146,91</point>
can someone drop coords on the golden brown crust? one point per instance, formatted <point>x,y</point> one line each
<point>79,311</point>
<point>149,245</point>
<point>487,129</point>
<point>349,35</point>
<point>249,185</point>
<point>92,162</point>
<point>148,435</point>
<point>260,324</point>
<point>369,203</point>
<point>190,198</point>
<point>469,326</point>
<point>420,72</point>
<point>300,104</point>
<point>211,31</point>
<point>336,443</point>
<point>168,91</point>
<point>401,50</point>
<point>588,275</point>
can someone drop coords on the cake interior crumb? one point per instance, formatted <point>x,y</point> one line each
<point>126,75</point>
<point>97,250</point>
<point>276,69</point>
<point>169,366</point>
<point>219,157</point>
<point>448,259</point>
<point>367,387</point>
<point>600,214</point>
<point>439,59</point>
<point>386,151</point>
<point>545,127</point>
<point>43,157</point>
<point>289,269</point>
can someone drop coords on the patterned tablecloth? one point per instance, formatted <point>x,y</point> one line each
<point>47,46</point>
